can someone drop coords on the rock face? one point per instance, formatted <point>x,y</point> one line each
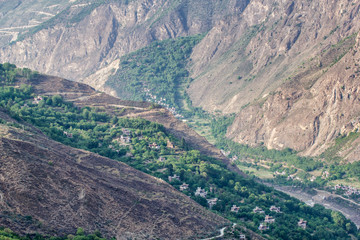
<point>64,188</point>
<point>87,48</point>
<point>307,119</point>
<point>290,71</point>
<point>251,54</point>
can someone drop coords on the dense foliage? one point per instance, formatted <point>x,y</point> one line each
<point>158,70</point>
<point>8,73</point>
<point>287,163</point>
<point>148,147</point>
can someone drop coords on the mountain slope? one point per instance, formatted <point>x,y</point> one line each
<point>101,129</point>
<point>308,119</point>
<point>252,51</point>
<point>63,188</point>
<point>85,38</point>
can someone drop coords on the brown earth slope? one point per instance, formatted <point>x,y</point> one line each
<point>63,188</point>
<point>83,95</point>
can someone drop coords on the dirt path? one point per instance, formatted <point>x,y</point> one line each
<point>222,232</point>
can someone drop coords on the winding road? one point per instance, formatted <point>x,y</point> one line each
<point>222,232</point>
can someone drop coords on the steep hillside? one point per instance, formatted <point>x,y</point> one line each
<point>254,54</point>
<point>62,188</point>
<point>85,38</point>
<point>305,116</point>
<point>83,95</point>
<point>271,62</point>
<point>251,54</point>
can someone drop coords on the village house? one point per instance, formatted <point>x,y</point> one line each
<point>37,100</point>
<point>235,209</point>
<point>269,219</point>
<point>200,192</point>
<point>302,223</point>
<point>242,236</point>
<point>212,202</point>
<point>275,209</point>
<point>313,178</point>
<point>175,177</point>
<point>234,158</point>
<point>184,186</point>
<point>169,144</point>
<point>126,131</point>
<point>258,210</point>
<point>154,145</point>
<point>263,227</point>
<point>69,135</point>
<point>124,139</point>
<point>325,174</point>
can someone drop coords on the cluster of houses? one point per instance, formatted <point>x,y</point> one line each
<point>161,101</point>
<point>264,225</point>
<point>348,190</point>
<point>268,219</point>
<point>125,138</point>
<point>294,177</point>
<point>212,202</point>
<point>199,191</point>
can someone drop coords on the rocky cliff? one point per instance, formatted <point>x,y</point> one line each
<point>290,70</point>
<point>308,118</point>
<point>85,41</point>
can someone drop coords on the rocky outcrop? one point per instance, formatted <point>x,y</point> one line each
<point>251,54</point>
<point>308,119</point>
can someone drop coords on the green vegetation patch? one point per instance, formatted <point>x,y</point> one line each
<point>156,73</point>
